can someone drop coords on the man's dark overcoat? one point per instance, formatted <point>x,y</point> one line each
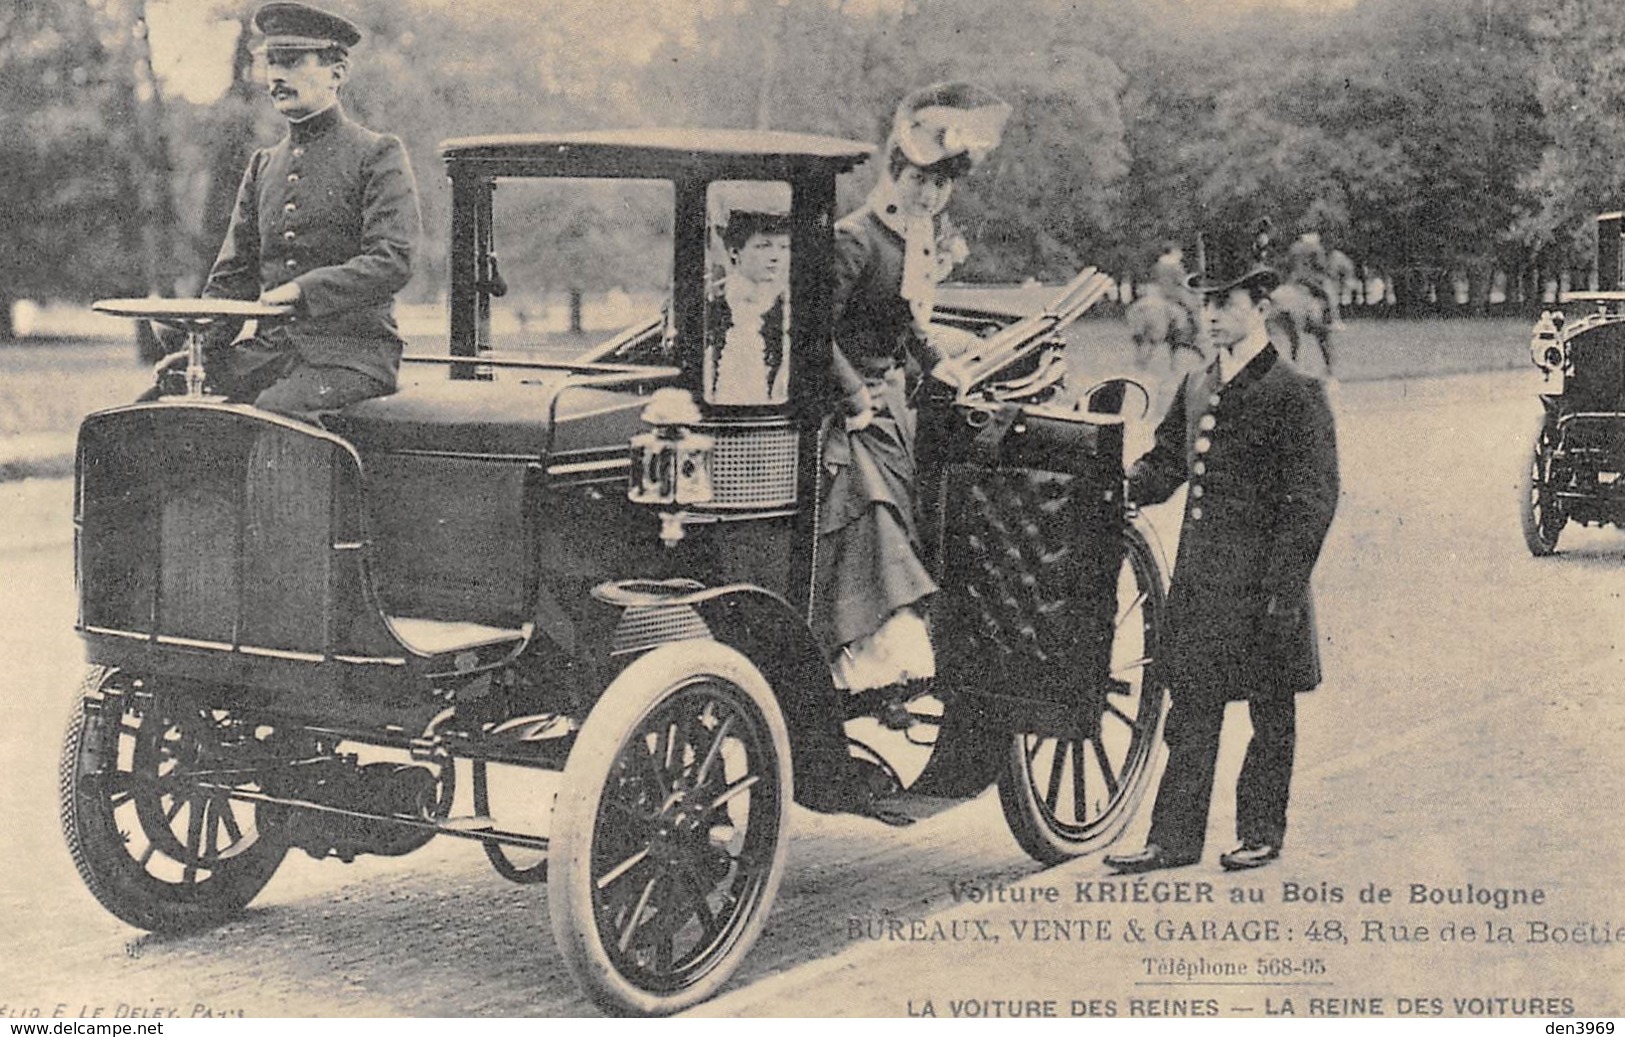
<point>1260,455</point>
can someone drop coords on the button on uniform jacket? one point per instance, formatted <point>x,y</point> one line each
<point>334,207</point>
<point>1260,457</point>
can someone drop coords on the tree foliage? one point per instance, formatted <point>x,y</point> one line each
<point>1436,142</point>
<point>1580,83</point>
<point>83,207</point>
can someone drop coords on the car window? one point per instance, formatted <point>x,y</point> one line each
<point>747,295</point>
<point>579,264</point>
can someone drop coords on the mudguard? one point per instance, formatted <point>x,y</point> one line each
<point>768,631</point>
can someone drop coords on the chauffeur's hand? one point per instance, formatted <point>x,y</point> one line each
<point>171,361</point>
<point>283,295</point>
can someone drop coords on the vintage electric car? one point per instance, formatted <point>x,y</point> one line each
<point>593,578</point>
<point>1579,450</point>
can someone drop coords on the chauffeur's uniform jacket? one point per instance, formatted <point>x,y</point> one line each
<point>333,206</point>
<point>1260,457</point>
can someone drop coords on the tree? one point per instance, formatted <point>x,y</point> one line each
<point>1580,81</point>
<point>1401,131</point>
<point>85,210</point>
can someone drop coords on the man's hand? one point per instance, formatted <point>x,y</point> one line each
<point>860,410</point>
<point>947,372</point>
<point>283,295</point>
<point>1284,614</point>
<point>172,361</point>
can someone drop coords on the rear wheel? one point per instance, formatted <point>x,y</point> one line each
<point>1065,796</point>
<point>669,834</point>
<point>1543,515</point>
<point>155,848</point>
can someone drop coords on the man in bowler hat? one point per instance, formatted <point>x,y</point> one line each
<point>326,221</point>
<point>1254,441</point>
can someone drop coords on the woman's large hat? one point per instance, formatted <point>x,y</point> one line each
<point>946,120</point>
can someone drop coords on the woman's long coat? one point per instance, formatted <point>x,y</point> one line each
<point>1260,457</point>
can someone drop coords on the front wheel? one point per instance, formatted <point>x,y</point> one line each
<point>1065,796</point>
<point>1543,515</point>
<point>147,810</point>
<point>669,834</point>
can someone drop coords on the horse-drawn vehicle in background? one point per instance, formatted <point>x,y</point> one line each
<point>1574,472</point>
<point>592,579</point>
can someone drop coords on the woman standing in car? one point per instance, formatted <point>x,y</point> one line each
<point>890,256</point>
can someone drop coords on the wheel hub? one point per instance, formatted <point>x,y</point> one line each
<point>680,832</point>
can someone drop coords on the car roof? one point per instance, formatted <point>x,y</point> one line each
<point>654,152</point>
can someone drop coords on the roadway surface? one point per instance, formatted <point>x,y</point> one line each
<point>1471,730</point>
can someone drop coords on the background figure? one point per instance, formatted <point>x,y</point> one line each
<point>1164,316</point>
<point>1254,439</point>
<point>325,221</point>
<point>745,325</point>
<point>1303,306</point>
<point>890,256</point>
<point>1341,278</point>
<point>1307,265</point>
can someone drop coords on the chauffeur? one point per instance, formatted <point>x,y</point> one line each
<point>326,221</point>
<point>1253,438</point>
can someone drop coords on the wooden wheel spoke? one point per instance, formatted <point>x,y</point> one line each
<point>709,919</point>
<point>229,819</point>
<point>1057,765</point>
<point>646,761</point>
<point>633,920</point>
<point>1133,664</point>
<point>1106,770</point>
<point>1128,610</point>
<point>194,839</point>
<point>710,923</point>
<point>1080,807</point>
<point>119,787</point>
<point>1034,744</point>
<point>714,750</point>
<point>670,753</point>
<point>606,879</point>
<point>213,823</point>
<point>1112,709</point>
<point>733,791</point>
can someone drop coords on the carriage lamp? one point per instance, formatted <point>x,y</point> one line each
<point>671,461</point>
<point>1546,344</point>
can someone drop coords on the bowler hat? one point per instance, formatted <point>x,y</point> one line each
<point>1235,256</point>
<point>946,120</point>
<point>294,26</point>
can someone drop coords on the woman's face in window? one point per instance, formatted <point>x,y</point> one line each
<point>763,258</point>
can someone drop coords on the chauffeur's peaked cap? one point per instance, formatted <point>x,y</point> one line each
<point>295,26</point>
